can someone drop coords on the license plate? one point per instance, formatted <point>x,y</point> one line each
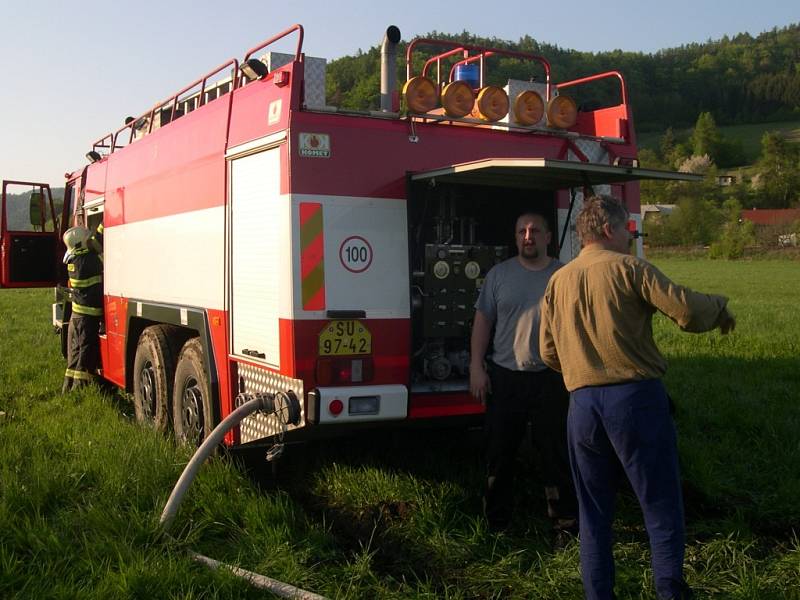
<point>345,338</point>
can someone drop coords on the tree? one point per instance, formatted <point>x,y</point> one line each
<point>730,152</point>
<point>698,164</point>
<point>737,234</point>
<point>706,138</point>
<point>696,222</point>
<point>673,151</point>
<point>778,172</point>
<point>668,143</point>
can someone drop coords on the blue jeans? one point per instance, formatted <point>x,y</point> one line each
<point>627,424</point>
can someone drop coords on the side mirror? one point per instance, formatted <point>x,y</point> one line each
<point>36,205</point>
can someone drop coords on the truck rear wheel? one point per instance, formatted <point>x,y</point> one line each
<point>153,372</point>
<point>192,413</point>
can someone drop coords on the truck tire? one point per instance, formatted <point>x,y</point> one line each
<point>153,374</point>
<point>192,413</point>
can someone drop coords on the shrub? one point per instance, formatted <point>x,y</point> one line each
<point>737,234</point>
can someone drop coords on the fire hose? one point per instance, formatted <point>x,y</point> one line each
<point>286,408</point>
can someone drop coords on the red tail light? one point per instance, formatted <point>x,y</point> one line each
<point>334,370</point>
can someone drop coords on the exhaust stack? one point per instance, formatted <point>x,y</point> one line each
<point>390,101</point>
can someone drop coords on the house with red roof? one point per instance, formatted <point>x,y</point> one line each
<point>772,216</point>
<point>774,224</point>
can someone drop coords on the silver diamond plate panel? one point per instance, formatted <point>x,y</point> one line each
<point>314,75</point>
<point>258,425</point>
<point>593,150</point>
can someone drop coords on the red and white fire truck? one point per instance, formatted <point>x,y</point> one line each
<point>259,240</point>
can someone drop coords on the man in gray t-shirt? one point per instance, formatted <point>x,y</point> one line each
<point>514,383</point>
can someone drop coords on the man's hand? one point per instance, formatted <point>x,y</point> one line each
<point>727,322</point>
<point>479,384</point>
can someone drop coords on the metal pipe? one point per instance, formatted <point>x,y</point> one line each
<point>390,101</point>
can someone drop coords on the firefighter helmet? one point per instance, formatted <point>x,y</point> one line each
<point>76,238</point>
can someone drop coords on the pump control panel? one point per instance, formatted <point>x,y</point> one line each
<point>454,275</point>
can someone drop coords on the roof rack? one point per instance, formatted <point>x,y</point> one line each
<point>177,105</point>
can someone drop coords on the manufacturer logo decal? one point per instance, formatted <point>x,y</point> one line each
<point>315,145</point>
<point>274,114</point>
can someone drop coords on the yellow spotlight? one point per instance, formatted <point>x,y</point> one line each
<point>528,108</point>
<point>420,94</point>
<point>492,103</point>
<point>457,99</point>
<point>562,112</point>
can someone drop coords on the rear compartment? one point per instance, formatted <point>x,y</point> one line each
<point>456,234</point>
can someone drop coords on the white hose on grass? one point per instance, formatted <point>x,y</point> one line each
<point>264,402</point>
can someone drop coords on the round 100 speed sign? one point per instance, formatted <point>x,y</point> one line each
<point>355,254</point>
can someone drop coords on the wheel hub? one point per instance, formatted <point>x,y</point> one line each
<point>192,410</point>
<point>147,387</point>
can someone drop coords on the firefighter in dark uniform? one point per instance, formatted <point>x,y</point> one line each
<point>85,271</point>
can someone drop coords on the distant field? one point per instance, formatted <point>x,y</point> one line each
<point>750,135</point>
<point>397,514</point>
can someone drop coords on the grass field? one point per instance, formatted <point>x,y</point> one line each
<point>396,514</point>
<point>750,136</point>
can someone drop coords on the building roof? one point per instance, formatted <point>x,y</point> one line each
<point>658,208</point>
<point>767,216</point>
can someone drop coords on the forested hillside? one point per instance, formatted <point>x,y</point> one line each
<point>743,79</point>
<point>18,209</point>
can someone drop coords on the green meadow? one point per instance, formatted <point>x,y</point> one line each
<point>749,135</point>
<point>396,513</point>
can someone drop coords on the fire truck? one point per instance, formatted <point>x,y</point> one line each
<point>258,239</point>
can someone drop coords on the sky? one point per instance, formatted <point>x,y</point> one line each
<point>74,70</point>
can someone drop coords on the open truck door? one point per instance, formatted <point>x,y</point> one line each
<point>30,244</point>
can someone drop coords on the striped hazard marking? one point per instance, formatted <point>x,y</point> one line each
<point>312,256</point>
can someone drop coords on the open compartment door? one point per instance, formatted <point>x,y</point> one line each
<point>544,173</point>
<point>29,236</point>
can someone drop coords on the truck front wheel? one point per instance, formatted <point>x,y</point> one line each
<point>192,413</point>
<point>153,369</point>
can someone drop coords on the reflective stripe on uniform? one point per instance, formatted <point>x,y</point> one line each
<point>79,375</point>
<point>87,310</point>
<point>82,283</point>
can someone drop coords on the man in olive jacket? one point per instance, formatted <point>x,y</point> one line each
<point>596,330</point>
